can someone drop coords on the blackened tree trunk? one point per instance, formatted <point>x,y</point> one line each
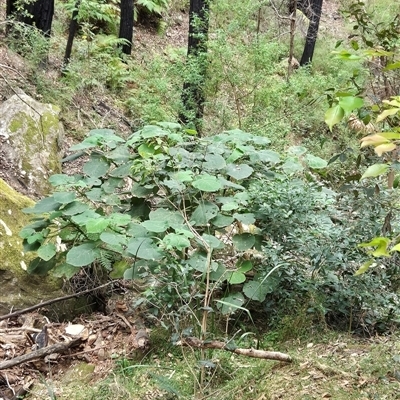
<point>38,14</point>
<point>312,9</point>
<point>312,32</point>
<point>193,87</point>
<point>126,25</point>
<point>73,27</point>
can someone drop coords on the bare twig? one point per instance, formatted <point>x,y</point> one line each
<point>214,344</point>
<point>46,303</point>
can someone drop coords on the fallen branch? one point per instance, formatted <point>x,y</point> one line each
<point>52,301</point>
<point>45,351</point>
<point>214,344</point>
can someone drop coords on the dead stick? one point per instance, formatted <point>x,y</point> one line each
<point>46,303</point>
<point>55,348</point>
<point>268,355</point>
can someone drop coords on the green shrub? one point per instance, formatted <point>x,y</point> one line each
<point>312,236</point>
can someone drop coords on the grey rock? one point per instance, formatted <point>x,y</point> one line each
<point>30,141</point>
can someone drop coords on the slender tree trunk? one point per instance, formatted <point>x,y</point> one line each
<point>193,88</point>
<point>40,14</point>
<point>73,27</point>
<point>126,25</point>
<point>312,32</point>
<point>291,43</point>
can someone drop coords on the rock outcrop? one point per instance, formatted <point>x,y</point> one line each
<point>18,288</point>
<point>30,141</point>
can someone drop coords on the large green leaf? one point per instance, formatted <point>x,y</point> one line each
<point>315,162</point>
<point>146,150</point>
<point>144,247</point>
<point>231,303</point>
<point>212,241</point>
<point>350,103</point>
<point>183,176</point>
<point>65,271</point>
<point>198,261</point>
<point>204,213</point>
<point>39,266</point>
<point>64,197</point>
<point>240,171</point>
<point>245,218</point>
<point>221,221</point>
<point>97,225</point>
<point>143,191</point>
<point>174,186</point>
<point>83,218</point>
<point>113,238</point>
<point>292,166</point>
<point>334,115</point>
<point>47,251</point>
<point>265,156</point>
<point>96,194</point>
<point>173,218</point>
<point>111,184</point>
<point>61,179</point>
<point>174,241</point>
<point>156,226</point>
<point>219,273</point>
<point>214,162</point>
<point>122,171</point>
<point>75,207</point>
<point>137,230</point>
<point>296,150</point>
<point>243,241</point>
<point>150,131</point>
<point>96,167</point>
<point>235,155</point>
<point>235,277</point>
<point>238,276</point>
<point>207,183</point>
<point>43,206</point>
<point>255,290</point>
<point>119,154</point>
<point>230,206</point>
<point>364,268</point>
<point>382,246</point>
<point>375,170</point>
<point>89,142</point>
<point>82,255</point>
<point>26,232</point>
<point>226,183</point>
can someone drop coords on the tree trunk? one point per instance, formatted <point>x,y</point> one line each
<point>193,87</point>
<point>73,27</point>
<point>40,14</point>
<point>126,25</point>
<point>312,32</point>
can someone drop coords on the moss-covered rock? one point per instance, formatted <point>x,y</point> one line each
<point>18,288</point>
<point>30,138</point>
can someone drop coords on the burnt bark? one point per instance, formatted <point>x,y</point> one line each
<point>312,32</point>
<point>38,14</point>
<point>126,25</point>
<point>193,88</point>
<point>73,27</point>
<point>312,9</point>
